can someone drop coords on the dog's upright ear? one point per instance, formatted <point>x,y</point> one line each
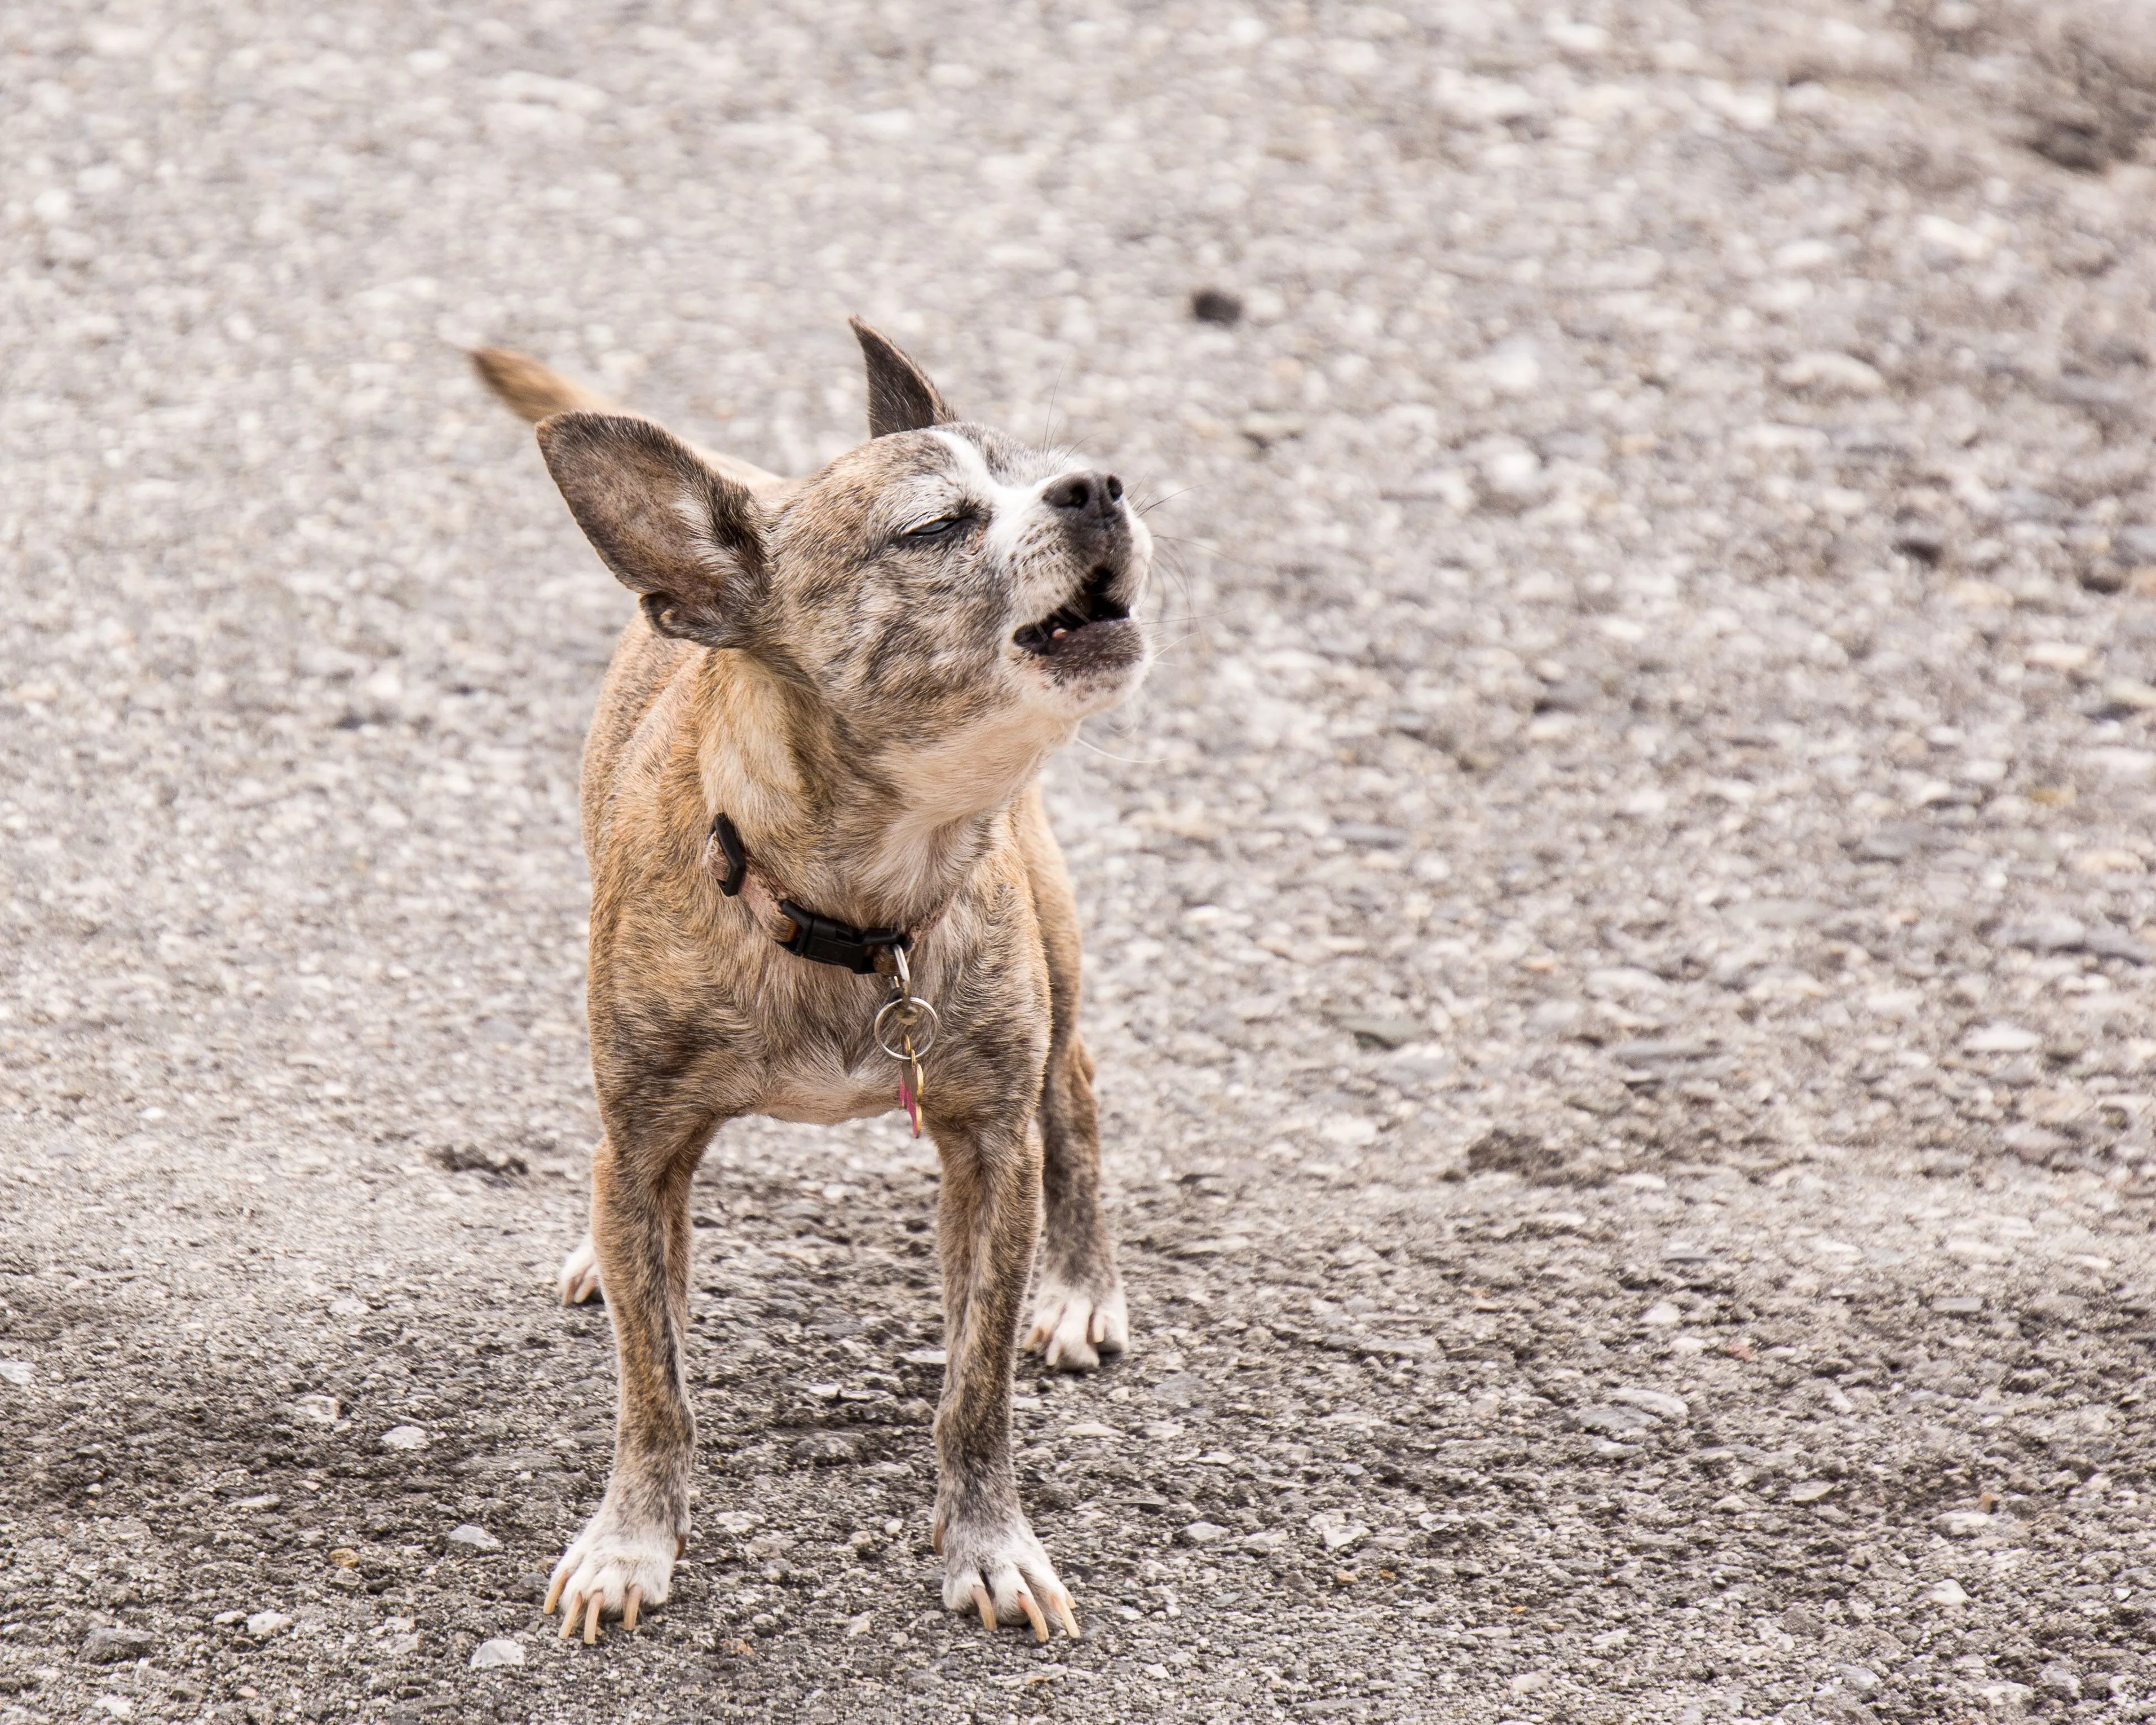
<point>688,542</point>
<point>900,397</point>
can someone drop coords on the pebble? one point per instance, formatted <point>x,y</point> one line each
<point>2061,1680</point>
<point>17,1372</point>
<point>2130,694</point>
<point>1616,1422</point>
<point>263,1624</point>
<point>111,1644</point>
<point>474,1536</point>
<point>490,1655</point>
<point>2100,859</point>
<point>1811,1490</point>
<point>1804,1619</point>
<point>1659,1402</point>
<point>1383,1032</point>
<point>318,1409</point>
<point>404,1437</point>
<point>1179,1389</point>
<point>1203,1533</point>
<point>1949,1592</point>
<point>1962,1523</point>
<point>1831,373</point>
<point>1661,1314</point>
<point>1338,1531</point>
<point>826,1448</point>
<point>1858,1679</point>
<point>2036,1144</point>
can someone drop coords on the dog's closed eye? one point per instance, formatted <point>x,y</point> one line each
<point>936,529</point>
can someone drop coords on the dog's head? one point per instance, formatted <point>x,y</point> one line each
<point>942,588</point>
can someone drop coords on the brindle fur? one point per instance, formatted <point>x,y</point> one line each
<point>854,699</point>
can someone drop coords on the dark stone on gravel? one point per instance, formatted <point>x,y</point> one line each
<point>1215,306</point>
<point>111,1644</point>
<point>1920,540</point>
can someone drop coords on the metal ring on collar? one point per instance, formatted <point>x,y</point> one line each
<point>926,1043</point>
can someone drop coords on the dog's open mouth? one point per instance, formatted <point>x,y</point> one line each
<point>1091,606</point>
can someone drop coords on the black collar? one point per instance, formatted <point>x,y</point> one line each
<point>822,940</point>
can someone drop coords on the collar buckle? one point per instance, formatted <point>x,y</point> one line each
<point>726,837</point>
<point>824,940</point>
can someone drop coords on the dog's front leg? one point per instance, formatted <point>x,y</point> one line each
<point>640,1235</point>
<point>988,1223</point>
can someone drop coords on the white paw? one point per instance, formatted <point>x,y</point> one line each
<point>612,1571</point>
<point>580,1274</point>
<point>1003,1572</point>
<point>1072,1329</point>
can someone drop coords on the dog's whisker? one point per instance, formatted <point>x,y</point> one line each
<point>1047,427</point>
<point>1086,742</point>
<point>1149,507</point>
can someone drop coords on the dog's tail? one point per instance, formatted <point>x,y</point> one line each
<point>535,393</point>
<point>530,390</point>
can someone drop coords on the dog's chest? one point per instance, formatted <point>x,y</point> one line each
<point>816,1087</point>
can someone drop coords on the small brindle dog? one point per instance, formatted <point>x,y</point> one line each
<point>823,886</point>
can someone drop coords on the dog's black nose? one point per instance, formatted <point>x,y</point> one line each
<point>1094,495</point>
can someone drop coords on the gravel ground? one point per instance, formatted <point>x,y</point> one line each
<point>1617,940</point>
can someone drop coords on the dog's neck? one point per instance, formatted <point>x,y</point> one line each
<point>881,839</point>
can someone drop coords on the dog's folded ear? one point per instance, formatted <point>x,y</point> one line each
<point>900,397</point>
<point>689,542</point>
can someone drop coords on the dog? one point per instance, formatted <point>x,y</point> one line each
<point>823,886</point>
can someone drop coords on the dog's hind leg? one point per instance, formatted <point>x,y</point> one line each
<point>579,1280</point>
<point>1079,1313</point>
<point>640,1235</point>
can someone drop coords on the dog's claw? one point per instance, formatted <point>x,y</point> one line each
<point>612,1571</point>
<point>579,1280</point>
<point>1066,1614</point>
<point>1033,1616</point>
<point>553,1597</point>
<point>1072,1329</point>
<point>987,1607</point>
